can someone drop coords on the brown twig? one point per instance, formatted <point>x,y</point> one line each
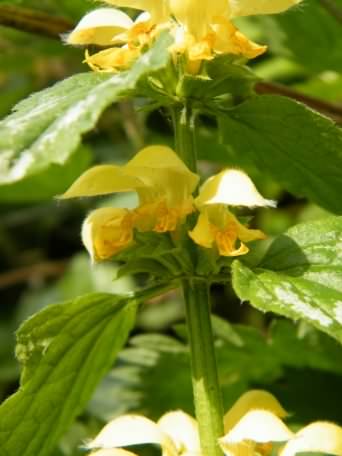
<point>333,9</point>
<point>30,273</point>
<point>32,21</point>
<point>332,110</point>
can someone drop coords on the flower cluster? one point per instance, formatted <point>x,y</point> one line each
<point>201,29</point>
<point>164,186</point>
<point>252,426</point>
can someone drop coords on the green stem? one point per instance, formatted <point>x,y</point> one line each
<point>184,122</point>
<point>206,390</point>
<point>207,394</point>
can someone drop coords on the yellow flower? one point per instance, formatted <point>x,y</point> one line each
<point>201,29</point>
<point>107,231</point>
<point>208,28</point>
<point>218,226</point>
<point>100,27</point>
<point>164,186</point>
<point>253,423</point>
<point>175,432</point>
<point>318,437</point>
<point>251,426</point>
<point>198,17</point>
<point>112,27</point>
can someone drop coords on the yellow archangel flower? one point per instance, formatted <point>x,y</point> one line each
<point>252,425</point>
<point>201,29</point>
<point>164,186</point>
<point>175,432</point>
<point>216,225</point>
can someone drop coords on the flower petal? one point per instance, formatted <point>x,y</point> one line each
<point>112,59</point>
<point>113,452</point>
<point>99,27</point>
<point>198,15</point>
<point>102,180</point>
<point>252,7</point>
<point>159,9</point>
<point>160,169</point>
<point>246,234</point>
<point>237,449</point>
<point>252,400</point>
<point>107,231</point>
<point>229,40</point>
<point>231,187</point>
<point>259,426</point>
<point>202,234</point>
<point>322,437</point>
<point>159,157</point>
<point>130,430</point>
<point>183,431</point>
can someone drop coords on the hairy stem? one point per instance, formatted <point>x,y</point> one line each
<point>206,390</point>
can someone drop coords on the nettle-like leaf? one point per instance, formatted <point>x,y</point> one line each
<point>316,51</point>
<point>65,350</point>
<point>294,145</point>
<point>45,129</point>
<point>300,277</point>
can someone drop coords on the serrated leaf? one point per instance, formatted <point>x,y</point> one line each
<point>65,350</point>
<point>300,276</point>
<point>47,127</point>
<point>294,145</point>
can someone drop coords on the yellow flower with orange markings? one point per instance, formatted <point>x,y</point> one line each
<point>201,29</point>
<point>175,432</point>
<point>216,225</point>
<point>164,186</point>
<point>252,426</point>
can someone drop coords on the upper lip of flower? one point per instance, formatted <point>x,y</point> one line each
<point>164,186</point>
<point>216,224</point>
<point>207,27</point>
<point>156,171</point>
<point>176,432</point>
<point>255,419</point>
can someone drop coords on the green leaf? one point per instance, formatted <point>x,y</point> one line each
<point>250,359</point>
<point>145,369</point>
<point>47,128</point>
<point>300,276</point>
<point>65,350</point>
<point>54,180</point>
<point>156,255</point>
<point>318,48</point>
<point>296,146</point>
<point>223,79</point>
<point>305,347</point>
